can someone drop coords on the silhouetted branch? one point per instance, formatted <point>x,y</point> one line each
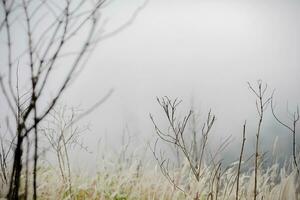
<point>291,128</point>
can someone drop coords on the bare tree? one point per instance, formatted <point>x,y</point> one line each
<point>261,104</point>
<point>176,135</point>
<point>50,29</point>
<point>62,135</point>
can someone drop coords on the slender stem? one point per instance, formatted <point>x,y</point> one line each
<point>240,162</point>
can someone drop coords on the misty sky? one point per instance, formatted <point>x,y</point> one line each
<point>203,52</point>
<point>200,50</point>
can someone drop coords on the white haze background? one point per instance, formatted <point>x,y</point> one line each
<point>202,52</point>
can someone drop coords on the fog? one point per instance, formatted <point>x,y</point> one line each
<point>202,52</point>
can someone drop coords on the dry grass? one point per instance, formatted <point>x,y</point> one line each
<point>136,182</point>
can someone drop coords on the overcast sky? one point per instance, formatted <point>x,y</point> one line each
<point>200,51</point>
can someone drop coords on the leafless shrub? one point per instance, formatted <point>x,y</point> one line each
<point>62,135</point>
<point>192,147</point>
<point>261,105</point>
<point>177,137</point>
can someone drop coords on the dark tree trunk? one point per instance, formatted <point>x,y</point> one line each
<point>13,193</point>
